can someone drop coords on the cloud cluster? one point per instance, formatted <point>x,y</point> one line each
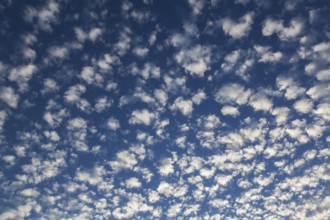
<point>116,110</point>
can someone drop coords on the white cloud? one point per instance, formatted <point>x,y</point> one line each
<point>77,123</point>
<point>29,192</point>
<point>3,118</point>
<point>45,16</point>
<point>9,159</point>
<point>319,91</point>
<point>58,52</point>
<point>143,116</point>
<point>281,114</point>
<point>102,103</point>
<point>197,6</point>
<point>230,110</point>
<point>198,67</point>
<point>184,106</point>
<point>106,63</point>
<point>72,95</point>
<point>178,40</point>
<point>303,106</point>
<point>140,51</point>
<point>80,34</point>
<point>231,60</point>
<point>232,93</point>
<point>148,70</point>
<point>95,33</point>
<point>50,85</point>
<point>124,160</point>
<point>199,97</point>
<point>88,75</point>
<point>174,210</point>
<point>323,75</point>
<point>238,29</point>
<point>271,27</point>
<point>93,176</point>
<point>266,56</point>
<point>29,53</point>
<point>161,96</point>
<point>8,95</point>
<point>113,124</point>
<point>260,102</point>
<point>195,60</point>
<point>290,86</point>
<point>22,75</point>
<point>323,110</point>
<point>166,167</point>
<point>133,182</point>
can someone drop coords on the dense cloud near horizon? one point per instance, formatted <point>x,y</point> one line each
<point>165,109</point>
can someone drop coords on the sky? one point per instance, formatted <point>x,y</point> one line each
<point>152,109</point>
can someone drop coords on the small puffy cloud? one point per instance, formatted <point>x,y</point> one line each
<point>45,15</point>
<point>230,110</point>
<point>199,97</point>
<point>88,75</point>
<point>197,6</point>
<point>209,122</point>
<point>281,114</point>
<point>72,95</point>
<point>184,106</point>
<point>94,33</point>
<point>10,159</point>
<point>80,34</point>
<point>174,210</point>
<point>102,103</point>
<point>319,91</point>
<point>178,40</point>
<point>190,29</point>
<point>133,182</point>
<point>50,85</point>
<point>148,70</point>
<point>198,67</point>
<point>260,102</point>
<point>271,27</point>
<point>29,53</point>
<point>21,75</point>
<point>141,16</point>
<point>58,52</point>
<point>323,75</point>
<point>143,116</point>
<point>289,85</point>
<point>113,124</point>
<point>77,123</point>
<point>231,60</point>
<point>93,176</point>
<point>238,29</point>
<point>303,106</point>
<point>161,96</point>
<point>29,192</point>
<point>106,63</point>
<point>266,56</point>
<point>232,93</point>
<point>52,135</point>
<point>9,96</point>
<point>166,167</point>
<point>195,60</point>
<point>140,51</point>
<point>3,118</point>
<point>124,160</point>
<point>323,110</point>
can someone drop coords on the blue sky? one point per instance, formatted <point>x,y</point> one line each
<point>164,109</point>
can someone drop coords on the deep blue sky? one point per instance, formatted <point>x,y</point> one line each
<point>164,109</point>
